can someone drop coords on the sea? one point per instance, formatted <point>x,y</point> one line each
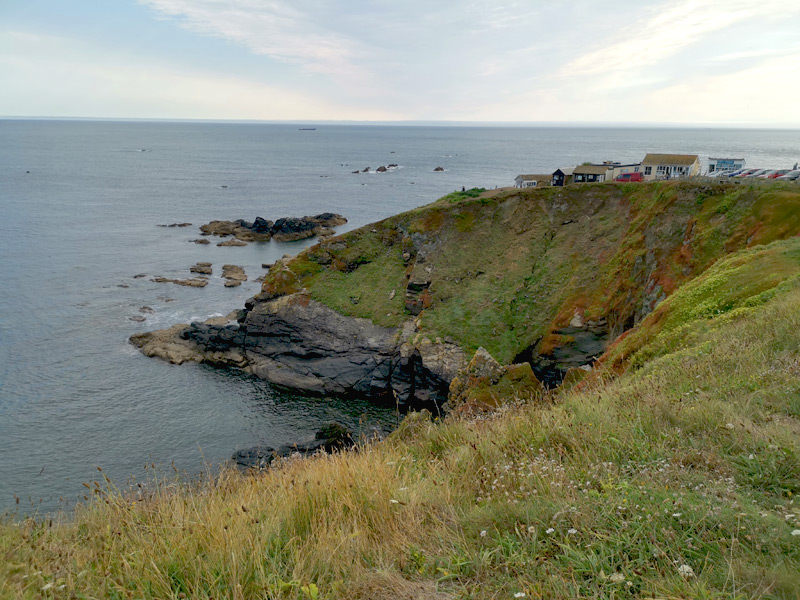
<point>81,209</point>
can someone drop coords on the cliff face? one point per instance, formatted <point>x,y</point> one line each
<point>396,309</point>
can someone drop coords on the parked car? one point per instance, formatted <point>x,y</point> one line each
<point>790,176</point>
<point>755,173</point>
<point>766,174</point>
<point>747,172</point>
<point>629,177</point>
<point>778,173</point>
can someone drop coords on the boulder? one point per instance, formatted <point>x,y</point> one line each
<point>232,242</point>
<point>200,241</point>
<point>438,169</point>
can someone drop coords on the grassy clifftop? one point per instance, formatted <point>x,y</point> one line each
<point>507,270</point>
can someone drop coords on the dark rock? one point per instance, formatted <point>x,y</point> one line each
<point>137,319</point>
<point>140,275</point>
<point>381,169</point>
<point>366,170</point>
<point>177,225</point>
<point>146,310</point>
<point>293,228</point>
<point>200,241</point>
<point>331,437</point>
<point>438,169</point>
<point>261,225</point>
<point>232,242</point>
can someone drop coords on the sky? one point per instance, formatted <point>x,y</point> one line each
<point>710,62</point>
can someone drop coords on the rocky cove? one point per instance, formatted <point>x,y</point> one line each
<point>475,298</point>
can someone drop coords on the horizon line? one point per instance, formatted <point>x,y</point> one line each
<point>417,122</point>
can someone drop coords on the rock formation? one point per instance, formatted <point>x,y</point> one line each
<point>283,230</point>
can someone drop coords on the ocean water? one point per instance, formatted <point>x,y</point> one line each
<point>80,205</point>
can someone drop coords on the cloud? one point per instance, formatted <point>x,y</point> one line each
<point>48,75</point>
<point>667,30</point>
<point>292,33</point>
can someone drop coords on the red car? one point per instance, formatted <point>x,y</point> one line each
<point>629,177</point>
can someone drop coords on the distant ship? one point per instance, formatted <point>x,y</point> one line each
<point>308,129</point>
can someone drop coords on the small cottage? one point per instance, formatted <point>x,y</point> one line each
<point>529,181</point>
<point>669,166</point>
<point>592,173</point>
<point>562,177</point>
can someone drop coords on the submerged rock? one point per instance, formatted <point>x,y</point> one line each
<point>194,282</point>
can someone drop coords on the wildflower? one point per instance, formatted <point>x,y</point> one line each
<point>531,529</point>
<point>685,571</point>
<point>519,595</point>
<point>483,533</point>
<point>728,425</point>
<point>572,530</point>
<point>393,501</point>
<point>47,586</point>
<point>676,515</point>
<point>550,530</point>
<point>796,532</point>
<point>617,578</point>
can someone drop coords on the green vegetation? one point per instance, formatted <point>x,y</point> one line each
<point>508,268</point>
<point>672,473</point>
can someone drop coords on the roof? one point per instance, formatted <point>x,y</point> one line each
<point>592,169</point>
<point>534,177</point>
<point>564,171</point>
<point>670,159</point>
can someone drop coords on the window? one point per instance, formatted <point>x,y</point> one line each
<point>648,170</point>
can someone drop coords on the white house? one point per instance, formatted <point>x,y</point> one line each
<point>529,181</point>
<point>669,166</point>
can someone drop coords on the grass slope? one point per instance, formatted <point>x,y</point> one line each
<point>676,479</point>
<point>508,269</point>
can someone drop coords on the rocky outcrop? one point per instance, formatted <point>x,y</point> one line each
<point>234,275</point>
<point>300,344</point>
<point>202,268</point>
<point>485,385</point>
<point>283,230</point>
<point>331,437</point>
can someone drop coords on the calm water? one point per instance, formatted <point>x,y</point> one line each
<point>76,229</point>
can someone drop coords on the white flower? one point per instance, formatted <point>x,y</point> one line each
<point>728,425</point>
<point>752,457</point>
<point>483,533</point>
<point>393,501</point>
<point>531,529</point>
<point>617,578</point>
<point>572,530</point>
<point>550,530</point>
<point>46,586</point>
<point>519,595</point>
<point>676,515</point>
<point>796,532</point>
<point>686,571</point>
